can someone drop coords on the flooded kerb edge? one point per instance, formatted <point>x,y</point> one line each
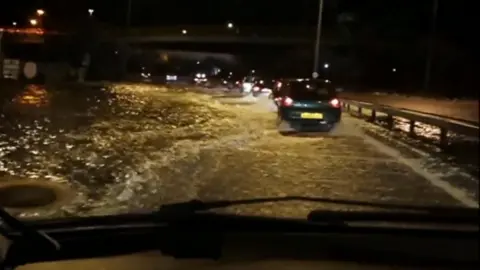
<point>416,165</point>
<point>451,173</point>
<point>455,154</point>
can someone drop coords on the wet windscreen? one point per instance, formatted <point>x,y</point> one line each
<point>311,90</point>
<point>131,129</point>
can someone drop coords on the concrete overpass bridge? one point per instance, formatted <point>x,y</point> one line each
<point>247,40</point>
<point>219,34</point>
<point>188,34</point>
<point>219,38</point>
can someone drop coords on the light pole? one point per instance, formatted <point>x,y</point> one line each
<point>431,43</point>
<point>317,40</point>
<point>129,12</point>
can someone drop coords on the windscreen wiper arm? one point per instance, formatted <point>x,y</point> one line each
<point>31,235</point>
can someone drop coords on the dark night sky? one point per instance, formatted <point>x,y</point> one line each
<point>455,17</point>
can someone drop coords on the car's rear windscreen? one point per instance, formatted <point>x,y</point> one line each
<point>311,91</point>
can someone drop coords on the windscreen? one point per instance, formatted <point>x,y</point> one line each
<point>311,90</point>
<point>109,141</point>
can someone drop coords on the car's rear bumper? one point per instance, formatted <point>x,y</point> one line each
<point>303,126</point>
<point>329,115</point>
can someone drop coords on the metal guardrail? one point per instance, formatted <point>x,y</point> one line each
<point>445,124</point>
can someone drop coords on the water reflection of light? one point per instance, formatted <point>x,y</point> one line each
<point>14,30</point>
<point>33,95</point>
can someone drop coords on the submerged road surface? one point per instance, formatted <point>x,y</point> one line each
<point>128,148</point>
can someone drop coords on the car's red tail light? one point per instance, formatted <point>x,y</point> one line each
<point>335,103</point>
<point>287,101</point>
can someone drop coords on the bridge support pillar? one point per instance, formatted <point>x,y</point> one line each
<point>109,61</point>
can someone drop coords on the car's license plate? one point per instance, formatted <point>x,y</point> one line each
<point>311,115</point>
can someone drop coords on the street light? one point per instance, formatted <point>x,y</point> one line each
<point>184,31</point>
<point>14,23</point>
<point>40,12</point>
<point>231,26</point>
<point>33,22</point>
<point>326,65</point>
<point>90,11</point>
<point>129,12</point>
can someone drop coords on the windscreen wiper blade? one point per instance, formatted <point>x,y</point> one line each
<point>27,233</point>
<point>198,205</point>
<point>344,217</point>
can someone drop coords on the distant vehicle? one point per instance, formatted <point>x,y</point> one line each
<point>248,83</point>
<point>307,104</point>
<point>146,77</point>
<point>263,85</point>
<point>232,82</point>
<point>200,79</point>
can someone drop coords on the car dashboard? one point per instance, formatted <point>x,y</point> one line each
<point>289,251</point>
<point>155,261</point>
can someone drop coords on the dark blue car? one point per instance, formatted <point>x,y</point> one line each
<point>308,104</point>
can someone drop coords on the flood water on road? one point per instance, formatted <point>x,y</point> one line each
<point>128,148</point>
